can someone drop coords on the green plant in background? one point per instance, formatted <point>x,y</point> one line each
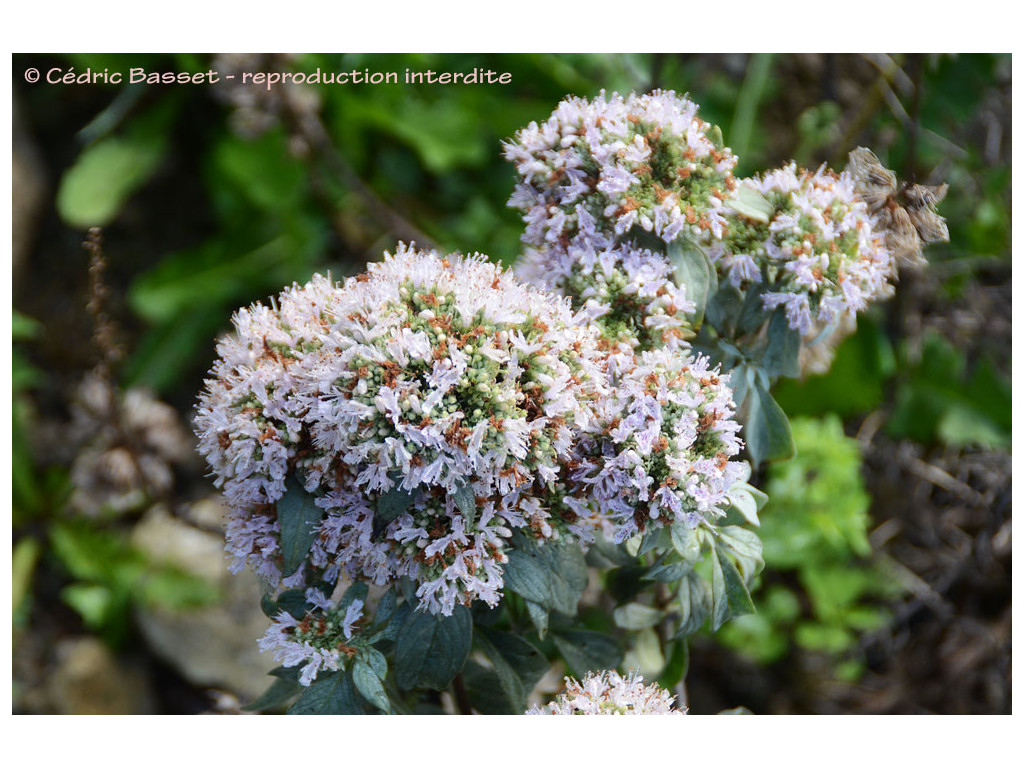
<point>110,577</point>
<point>815,528</point>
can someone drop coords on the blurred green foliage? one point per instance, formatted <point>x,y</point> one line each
<point>109,576</point>
<point>814,526</point>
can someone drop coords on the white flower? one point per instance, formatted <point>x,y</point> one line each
<point>662,446</point>
<point>317,641</point>
<point>621,161</point>
<point>627,291</point>
<point>609,693</point>
<point>820,254</point>
<point>427,377</point>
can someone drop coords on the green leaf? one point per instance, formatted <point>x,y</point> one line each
<point>729,595</point>
<point>767,432</point>
<point>528,662</point>
<point>510,682</point>
<point>636,616</point>
<point>299,517</point>
<point>655,538</point>
<point>782,355</point>
<point>694,271</point>
<point>93,191</point>
<point>553,574</point>
<point>385,607</point>
<point>23,563</point>
<point>291,601</point>
<point>486,696</point>
<point>262,170</point>
<point>280,692</point>
<point>357,591</point>
<point>395,623</point>
<point>723,309</point>
<point>376,661</point>
<point>332,693</point>
<point>390,505</point>
<point>675,666</point>
<point>686,541</point>
<point>668,568</point>
<point>603,554</point>
<point>465,500</point>
<point>743,501</point>
<point>94,603</point>
<point>291,674</point>
<point>745,546</point>
<point>694,605</point>
<point>370,686</point>
<point>752,204</point>
<point>585,651</point>
<point>430,650</point>
<point>753,314</point>
<point>539,615</point>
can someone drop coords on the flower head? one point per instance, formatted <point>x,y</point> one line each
<point>609,693</point>
<point>662,448</point>
<point>627,291</point>
<point>615,162</point>
<point>818,255</point>
<point>318,640</point>
<point>438,387</point>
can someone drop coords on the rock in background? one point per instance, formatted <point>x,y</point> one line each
<point>211,647</point>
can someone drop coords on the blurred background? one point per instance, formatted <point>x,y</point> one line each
<point>887,541</point>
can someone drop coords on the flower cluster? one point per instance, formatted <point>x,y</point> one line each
<point>627,291</point>
<point>609,693</point>
<point>441,383</point>
<point>663,445</point>
<point>818,255</point>
<point>615,162</point>
<point>317,641</point>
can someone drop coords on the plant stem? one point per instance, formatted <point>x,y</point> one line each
<point>461,697</point>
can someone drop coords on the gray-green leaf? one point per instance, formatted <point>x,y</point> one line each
<point>767,432</point>
<point>694,271</point>
<point>553,575</point>
<point>694,605</point>
<point>729,595</point>
<point>332,693</point>
<point>752,204</point>
<point>585,651</point>
<point>430,650</point>
<point>782,355</point>
<point>465,500</point>
<point>370,686</point>
<point>299,517</point>
<point>636,616</point>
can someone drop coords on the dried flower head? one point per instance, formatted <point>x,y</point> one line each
<point>130,443</point>
<point>904,213</point>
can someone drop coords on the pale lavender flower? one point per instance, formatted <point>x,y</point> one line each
<point>609,693</point>
<point>820,254</point>
<point>662,447</point>
<point>428,377</point>
<point>317,641</point>
<point>646,161</point>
